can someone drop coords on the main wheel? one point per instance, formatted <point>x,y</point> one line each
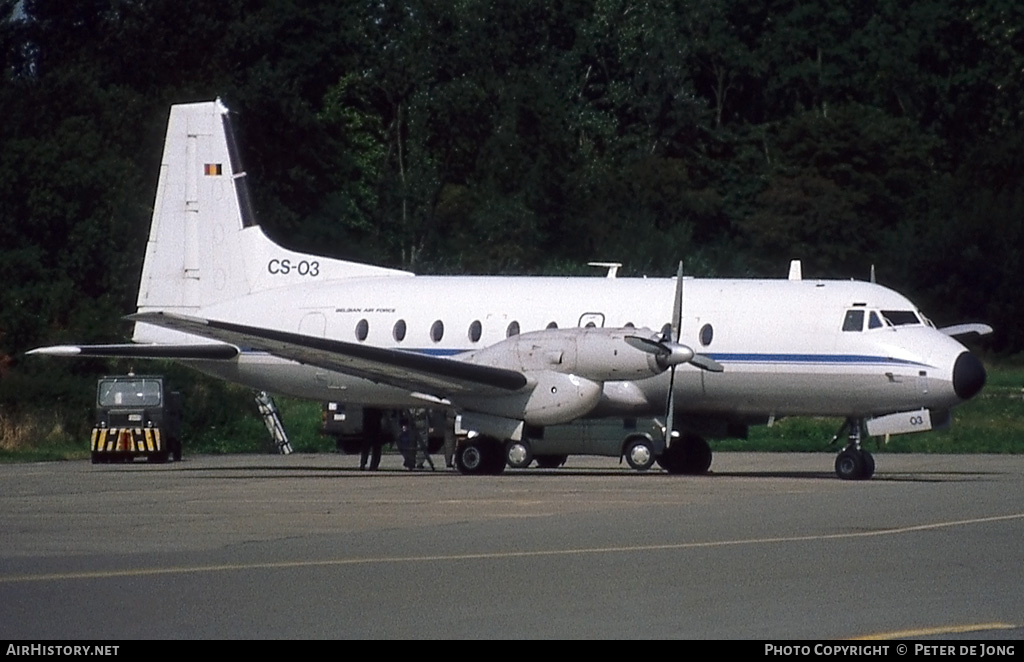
<point>638,453</point>
<point>850,464</point>
<point>518,454</point>
<point>482,455</point>
<point>869,464</point>
<point>689,455</point>
<point>470,458</point>
<point>550,461</point>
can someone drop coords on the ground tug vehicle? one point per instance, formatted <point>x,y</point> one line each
<point>136,416</point>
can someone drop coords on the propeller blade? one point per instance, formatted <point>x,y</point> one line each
<point>648,345</point>
<point>706,363</point>
<point>670,408</point>
<point>676,351</point>
<point>677,306</point>
<point>668,353</point>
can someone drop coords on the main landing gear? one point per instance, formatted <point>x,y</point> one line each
<point>853,462</point>
<point>688,455</point>
<point>480,455</point>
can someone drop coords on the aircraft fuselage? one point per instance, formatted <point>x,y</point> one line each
<point>781,342</point>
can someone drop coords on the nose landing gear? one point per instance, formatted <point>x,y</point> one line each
<point>853,462</point>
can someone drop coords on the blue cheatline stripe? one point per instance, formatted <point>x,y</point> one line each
<point>815,359</point>
<point>772,359</point>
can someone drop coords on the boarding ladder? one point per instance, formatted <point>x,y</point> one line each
<point>272,418</point>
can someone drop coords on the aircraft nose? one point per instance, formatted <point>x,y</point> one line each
<point>968,376</point>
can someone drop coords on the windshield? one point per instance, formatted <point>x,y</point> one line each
<point>129,393</point>
<point>900,317</point>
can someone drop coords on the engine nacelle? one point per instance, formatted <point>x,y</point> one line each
<point>552,398</point>
<point>595,354</point>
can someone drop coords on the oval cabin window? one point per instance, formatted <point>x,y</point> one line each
<point>706,334</point>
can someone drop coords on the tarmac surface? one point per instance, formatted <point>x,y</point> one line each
<point>766,546</point>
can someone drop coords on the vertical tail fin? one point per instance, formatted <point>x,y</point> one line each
<point>205,246</point>
<point>202,204</point>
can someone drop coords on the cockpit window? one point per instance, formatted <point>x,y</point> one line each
<point>900,317</point>
<point>854,320</point>
<point>873,321</point>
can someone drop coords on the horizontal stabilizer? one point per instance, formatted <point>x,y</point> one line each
<point>407,370</point>
<point>958,330</point>
<point>216,352</point>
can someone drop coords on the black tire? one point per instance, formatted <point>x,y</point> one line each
<point>495,459</point>
<point>471,458</point>
<point>639,454</point>
<point>689,455</point>
<point>480,456</point>
<point>157,458</point>
<point>518,454</point>
<point>550,461</point>
<point>869,465</point>
<point>850,465</point>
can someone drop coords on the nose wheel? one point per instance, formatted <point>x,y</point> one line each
<point>853,462</point>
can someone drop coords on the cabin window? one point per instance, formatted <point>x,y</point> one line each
<point>590,325</point>
<point>362,330</point>
<point>475,331</point>
<point>666,331</point>
<point>437,331</point>
<point>512,330</point>
<point>629,325</point>
<point>399,331</point>
<point>552,325</point>
<point>900,317</point>
<point>854,320</point>
<point>706,334</point>
<point>874,322</point>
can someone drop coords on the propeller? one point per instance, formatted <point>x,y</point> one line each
<point>669,353</point>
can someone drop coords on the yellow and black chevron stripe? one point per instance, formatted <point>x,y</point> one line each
<point>126,440</point>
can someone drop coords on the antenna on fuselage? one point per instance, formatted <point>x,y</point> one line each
<point>612,267</point>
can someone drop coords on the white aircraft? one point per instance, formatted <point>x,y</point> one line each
<point>512,354</point>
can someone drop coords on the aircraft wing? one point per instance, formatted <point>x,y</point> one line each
<point>407,370</point>
<point>217,351</point>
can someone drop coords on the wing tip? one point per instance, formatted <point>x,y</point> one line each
<point>56,350</point>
